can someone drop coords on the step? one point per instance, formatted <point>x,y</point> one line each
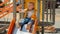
<point>4,22</point>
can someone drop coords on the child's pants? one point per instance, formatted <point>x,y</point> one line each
<point>26,21</point>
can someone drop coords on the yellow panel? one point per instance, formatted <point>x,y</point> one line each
<point>27,1</point>
<point>41,10</point>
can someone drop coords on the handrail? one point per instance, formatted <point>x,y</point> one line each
<point>35,28</point>
<point>11,27</point>
<point>7,8</point>
<point>3,15</point>
<point>10,10</point>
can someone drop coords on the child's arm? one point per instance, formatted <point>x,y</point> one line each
<point>25,15</point>
<point>17,21</point>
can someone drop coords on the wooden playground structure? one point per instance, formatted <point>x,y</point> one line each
<point>45,14</point>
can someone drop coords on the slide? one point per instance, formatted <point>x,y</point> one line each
<point>14,30</point>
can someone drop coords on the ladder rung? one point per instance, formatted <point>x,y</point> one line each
<point>4,24</point>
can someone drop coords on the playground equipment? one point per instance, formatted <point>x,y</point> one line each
<point>45,16</point>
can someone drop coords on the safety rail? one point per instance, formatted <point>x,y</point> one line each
<point>8,10</point>
<point>11,27</point>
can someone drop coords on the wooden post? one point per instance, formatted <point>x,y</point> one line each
<point>14,9</point>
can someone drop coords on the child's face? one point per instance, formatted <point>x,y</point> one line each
<point>31,6</point>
